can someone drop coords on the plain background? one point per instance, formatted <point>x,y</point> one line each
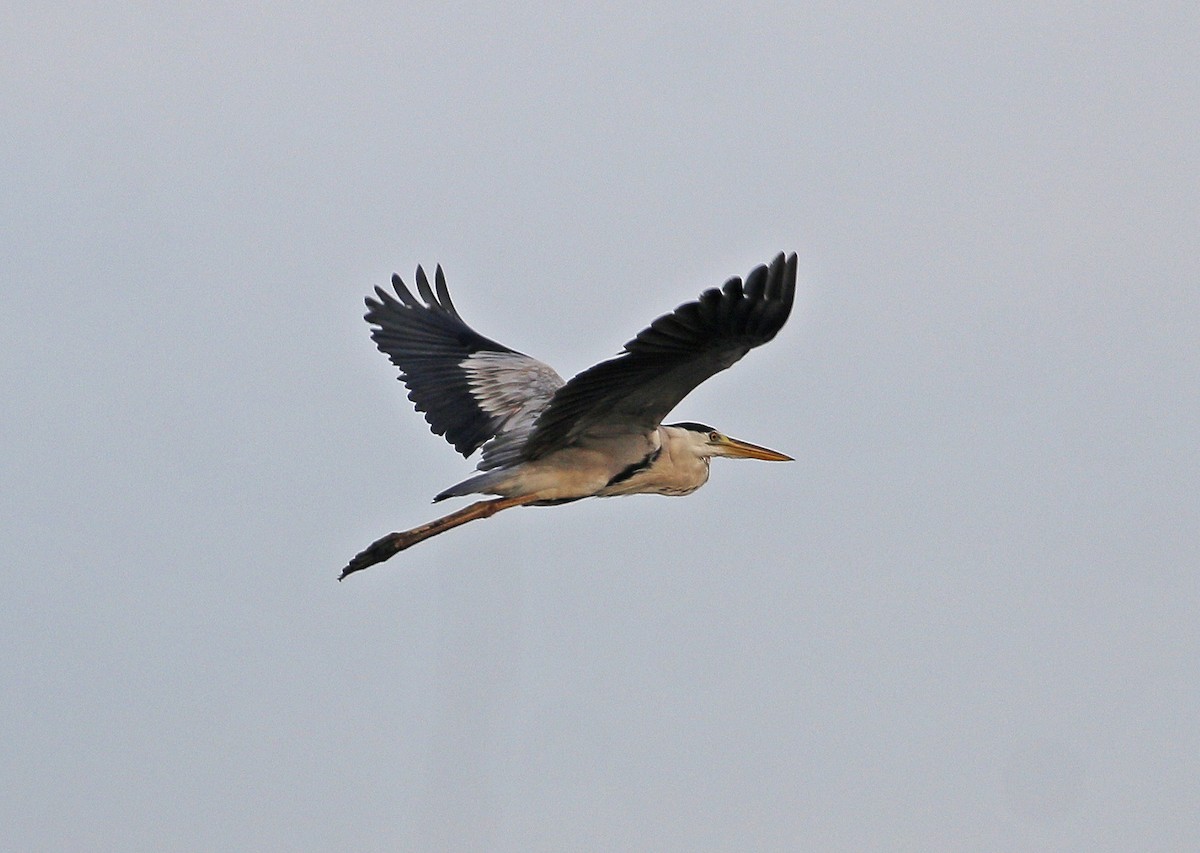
<point>966,617</point>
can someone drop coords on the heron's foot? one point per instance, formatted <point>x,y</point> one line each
<point>378,551</point>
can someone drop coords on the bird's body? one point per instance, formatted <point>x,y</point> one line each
<point>546,441</point>
<point>658,462</point>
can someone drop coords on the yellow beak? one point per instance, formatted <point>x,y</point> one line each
<point>746,450</point>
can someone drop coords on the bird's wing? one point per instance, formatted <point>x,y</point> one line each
<point>470,388</point>
<point>658,368</point>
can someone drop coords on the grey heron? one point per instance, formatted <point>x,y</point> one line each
<point>546,441</point>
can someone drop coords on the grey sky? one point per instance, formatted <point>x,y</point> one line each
<point>965,618</point>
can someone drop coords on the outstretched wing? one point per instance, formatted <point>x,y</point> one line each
<point>469,387</point>
<point>661,366</point>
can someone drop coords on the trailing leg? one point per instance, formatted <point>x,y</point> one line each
<point>394,543</point>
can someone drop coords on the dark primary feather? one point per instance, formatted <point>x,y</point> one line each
<point>668,359</point>
<point>428,341</point>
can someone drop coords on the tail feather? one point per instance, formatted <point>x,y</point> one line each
<point>480,484</point>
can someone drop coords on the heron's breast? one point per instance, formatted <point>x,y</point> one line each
<point>662,475</point>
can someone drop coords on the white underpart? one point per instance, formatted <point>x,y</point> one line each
<point>678,469</point>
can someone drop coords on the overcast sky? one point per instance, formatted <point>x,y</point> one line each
<point>964,619</point>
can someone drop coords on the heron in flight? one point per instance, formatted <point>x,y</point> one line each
<point>546,441</point>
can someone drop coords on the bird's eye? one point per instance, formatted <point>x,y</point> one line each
<point>714,436</point>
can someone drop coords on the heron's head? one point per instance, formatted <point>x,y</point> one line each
<point>707,442</point>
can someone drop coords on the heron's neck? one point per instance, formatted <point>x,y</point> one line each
<point>684,452</point>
